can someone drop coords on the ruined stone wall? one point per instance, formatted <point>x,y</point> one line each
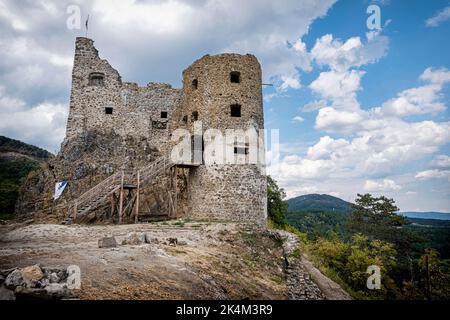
<point>108,104</point>
<point>235,191</point>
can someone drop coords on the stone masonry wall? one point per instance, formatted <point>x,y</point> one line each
<point>234,191</point>
<point>135,110</point>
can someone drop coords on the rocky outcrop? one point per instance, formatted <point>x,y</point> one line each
<point>84,161</point>
<point>34,282</point>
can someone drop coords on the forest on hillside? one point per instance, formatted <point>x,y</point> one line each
<point>17,160</point>
<point>413,255</point>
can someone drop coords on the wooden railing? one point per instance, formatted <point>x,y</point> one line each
<point>118,179</point>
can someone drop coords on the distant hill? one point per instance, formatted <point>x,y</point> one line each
<point>427,215</point>
<point>17,160</point>
<point>22,149</point>
<point>318,202</point>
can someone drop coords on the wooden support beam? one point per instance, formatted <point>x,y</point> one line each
<point>175,197</point>
<point>169,195</point>
<point>136,215</point>
<point>112,205</point>
<point>121,198</point>
<point>75,211</point>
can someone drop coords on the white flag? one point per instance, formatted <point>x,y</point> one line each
<point>59,189</point>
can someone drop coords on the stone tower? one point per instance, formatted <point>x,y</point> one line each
<point>223,93</point>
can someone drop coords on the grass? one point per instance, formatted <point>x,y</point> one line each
<point>332,274</point>
<point>297,253</point>
<point>277,279</point>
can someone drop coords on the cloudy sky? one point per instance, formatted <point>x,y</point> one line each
<point>359,110</point>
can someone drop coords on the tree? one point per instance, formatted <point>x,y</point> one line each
<point>276,207</point>
<point>435,275</point>
<point>377,218</point>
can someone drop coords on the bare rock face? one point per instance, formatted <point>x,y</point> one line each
<point>31,275</point>
<point>84,161</point>
<point>107,242</point>
<point>14,279</point>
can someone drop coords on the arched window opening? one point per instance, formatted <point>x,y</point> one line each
<point>195,84</point>
<point>96,79</point>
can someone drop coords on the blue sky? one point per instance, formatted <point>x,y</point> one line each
<point>358,110</point>
<point>413,47</point>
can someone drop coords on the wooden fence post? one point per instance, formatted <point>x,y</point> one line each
<point>136,215</point>
<point>121,198</point>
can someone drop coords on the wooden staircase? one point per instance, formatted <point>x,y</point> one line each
<point>100,194</point>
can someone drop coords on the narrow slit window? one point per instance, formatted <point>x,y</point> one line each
<point>185,119</point>
<point>195,84</point>
<point>235,77</point>
<point>163,114</point>
<point>194,116</point>
<point>108,110</point>
<point>235,110</point>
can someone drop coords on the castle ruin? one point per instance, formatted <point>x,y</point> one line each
<point>118,151</point>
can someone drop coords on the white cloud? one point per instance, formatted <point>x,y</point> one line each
<point>371,152</point>
<point>341,56</point>
<point>336,85</point>
<point>326,148</point>
<point>16,23</point>
<point>315,105</point>
<point>439,18</point>
<point>420,100</point>
<point>381,185</point>
<point>332,120</point>
<point>436,76</point>
<point>433,174</point>
<point>441,161</point>
<point>414,101</point>
<point>298,119</point>
<point>36,48</point>
<point>43,124</point>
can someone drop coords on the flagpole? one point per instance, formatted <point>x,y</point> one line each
<point>87,26</point>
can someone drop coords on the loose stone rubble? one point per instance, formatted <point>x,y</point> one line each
<point>300,285</point>
<point>34,282</point>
